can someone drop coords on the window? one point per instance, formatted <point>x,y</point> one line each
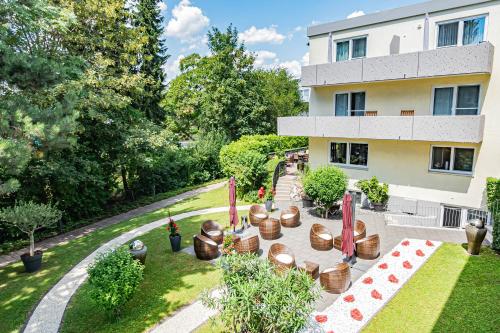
<point>350,104</point>
<point>459,101</point>
<point>452,217</point>
<point>355,154</point>
<point>452,159</point>
<point>461,32</point>
<point>350,49</point>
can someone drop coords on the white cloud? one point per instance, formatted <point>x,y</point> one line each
<point>263,57</point>
<point>293,67</point>
<point>298,28</point>
<point>172,68</point>
<point>186,22</point>
<point>305,59</point>
<point>263,35</point>
<point>162,6</point>
<point>356,14</point>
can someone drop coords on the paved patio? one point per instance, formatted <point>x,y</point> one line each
<point>297,239</point>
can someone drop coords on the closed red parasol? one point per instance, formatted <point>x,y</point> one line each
<point>347,232</point>
<point>233,213</point>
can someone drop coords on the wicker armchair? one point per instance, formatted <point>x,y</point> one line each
<point>281,256</point>
<point>212,230</point>
<point>270,229</point>
<point>205,248</point>
<point>359,233</point>
<point>247,245</point>
<point>321,238</point>
<point>369,247</point>
<point>257,214</point>
<point>336,279</point>
<point>290,218</point>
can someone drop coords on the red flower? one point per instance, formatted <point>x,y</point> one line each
<point>407,265</point>
<point>420,253</point>
<point>429,243</point>
<point>376,294</point>
<point>383,266</point>
<point>395,254</point>
<point>261,192</point>
<point>393,279</point>
<point>329,332</point>
<point>405,243</point>
<point>321,318</point>
<point>356,315</point>
<point>349,298</point>
<point>368,280</point>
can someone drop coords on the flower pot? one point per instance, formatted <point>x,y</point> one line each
<point>32,263</point>
<point>365,203</point>
<point>269,205</point>
<point>306,203</point>
<point>175,243</point>
<point>140,254</point>
<point>378,207</point>
<point>475,237</point>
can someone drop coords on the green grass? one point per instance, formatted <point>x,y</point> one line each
<point>170,281</point>
<point>20,292</point>
<point>214,325</point>
<point>452,292</point>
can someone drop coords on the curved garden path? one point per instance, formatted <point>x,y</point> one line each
<point>47,316</point>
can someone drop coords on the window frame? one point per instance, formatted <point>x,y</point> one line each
<point>348,155</point>
<point>455,98</point>
<point>460,34</point>
<point>350,40</point>
<point>452,160</point>
<point>349,101</point>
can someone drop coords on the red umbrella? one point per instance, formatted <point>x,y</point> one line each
<point>347,233</point>
<point>233,213</point>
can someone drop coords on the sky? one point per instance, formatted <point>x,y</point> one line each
<point>274,30</point>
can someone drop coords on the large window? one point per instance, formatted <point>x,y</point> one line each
<point>350,104</point>
<point>350,49</point>
<point>460,100</point>
<point>461,32</point>
<point>355,154</point>
<point>452,159</point>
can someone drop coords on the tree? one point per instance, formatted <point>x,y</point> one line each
<point>152,58</point>
<point>326,186</point>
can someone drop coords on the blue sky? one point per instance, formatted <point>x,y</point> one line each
<point>273,29</point>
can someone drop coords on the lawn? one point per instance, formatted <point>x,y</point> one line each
<point>452,292</point>
<point>20,292</point>
<point>170,281</point>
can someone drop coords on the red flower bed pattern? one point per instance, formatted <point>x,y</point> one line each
<point>368,280</point>
<point>396,254</point>
<point>349,298</point>
<point>376,294</point>
<point>407,265</point>
<point>429,243</point>
<point>405,243</point>
<point>420,253</point>
<point>321,318</point>
<point>356,315</point>
<point>383,266</point>
<point>393,279</point>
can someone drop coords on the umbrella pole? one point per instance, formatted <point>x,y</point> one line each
<point>352,259</point>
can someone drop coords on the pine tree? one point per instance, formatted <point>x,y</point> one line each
<point>152,59</point>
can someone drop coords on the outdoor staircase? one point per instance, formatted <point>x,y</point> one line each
<point>285,185</point>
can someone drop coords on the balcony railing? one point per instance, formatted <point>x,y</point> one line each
<point>462,60</point>
<point>466,129</point>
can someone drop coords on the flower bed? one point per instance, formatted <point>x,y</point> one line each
<point>354,309</point>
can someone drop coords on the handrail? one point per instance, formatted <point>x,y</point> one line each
<point>278,172</point>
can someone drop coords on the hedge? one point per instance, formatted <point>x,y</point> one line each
<point>493,197</point>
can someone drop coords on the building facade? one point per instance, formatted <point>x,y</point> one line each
<point>412,96</point>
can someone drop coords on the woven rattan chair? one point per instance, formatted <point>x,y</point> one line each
<point>359,232</point>
<point>205,248</point>
<point>270,229</point>
<point>212,230</point>
<point>321,238</point>
<point>290,218</point>
<point>336,279</point>
<point>257,214</point>
<point>247,245</point>
<point>281,256</point>
<point>369,247</point>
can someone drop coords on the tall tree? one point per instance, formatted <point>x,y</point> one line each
<point>152,58</point>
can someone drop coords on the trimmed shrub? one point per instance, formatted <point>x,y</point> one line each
<point>377,193</point>
<point>113,279</point>
<point>493,197</point>
<point>255,299</point>
<point>325,186</point>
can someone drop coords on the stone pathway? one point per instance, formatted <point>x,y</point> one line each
<point>77,233</point>
<point>47,316</point>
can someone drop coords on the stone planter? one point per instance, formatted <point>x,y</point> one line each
<point>175,243</point>
<point>365,203</point>
<point>269,205</point>
<point>140,254</point>
<point>307,203</point>
<point>378,207</point>
<point>32,263</point>
<point>475,237</point>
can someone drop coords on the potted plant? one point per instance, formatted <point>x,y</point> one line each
<point>174,236</point>
<point>325,186</point>
<point>377,193</point>
<point>269,200</point>
<point>30,217</point>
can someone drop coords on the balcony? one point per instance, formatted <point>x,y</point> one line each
<point>465,129</point>
<point>463,60</point>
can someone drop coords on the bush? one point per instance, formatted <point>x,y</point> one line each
<point>325,186</point>
<point>377,193</point>
<point>493,197</point>
<point>256,299</point>
<point>113,279</point>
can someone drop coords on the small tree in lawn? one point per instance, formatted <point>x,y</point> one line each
<point>325,186</point>
<point>30,217</point>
